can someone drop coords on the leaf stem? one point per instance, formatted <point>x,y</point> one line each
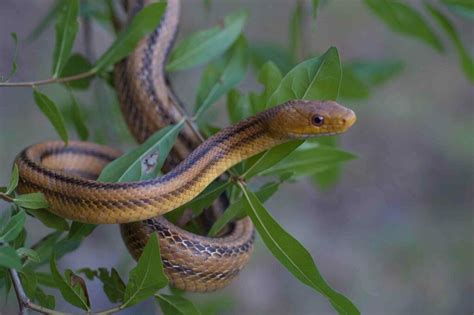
<point>74,77</point>
<point>6,197</point>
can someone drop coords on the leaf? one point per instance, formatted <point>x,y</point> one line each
<point>296,30</point>
<point>45,279</point>
<point>270,77</point>
<point>315,5</point>
<point>50,219</point>
<point>77,64</point>
<point>314,79</point>
<point>66,30</point>
<point>28,253</point>
<point>220,77</point>
<point>31,201</point>
<point>175,305</point>
<point>80,230</point>
<point>78,119</point>
<point>259,163</point>
<point>29,282</point>
<point>78,284</point>
<point>15,56</point>
<point>143,23</point>
<point>13,180</point>
<point>114,287</point>
<point>45,247</point>
<point>73,294</point>
<point>9,258</point>
<point>374,73</point>
<point>13,227</point>
<point>402,18</point>
<point>130,167</point>
<point>51,111</point>
<point>237,209</point>
<point>205,45</point>
<point>309,159</point>
<point>46,20</point>
<point>464,8</point>
<point>147,277</point>
<point>237,106</point>
<point>44,299</point>
<point>466,61</point>
<point>292,254</point>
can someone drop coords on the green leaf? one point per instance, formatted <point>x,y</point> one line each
<point>13,180</point>
<point>374,73</point>
<point>80,230</point>
<point>205,45</point>
<point>50,219</point>
<point>132,166</point>
<point>28,253</point>
<point>51,111</point>
<point>402,18</point>
<point>45,279</point>
<point>77,64</point>
<point>259,163</point>
<point>66,30</point>
<point>46,20</point>
<point>9,258</point>
<point>144,22</point>
<point>44,299</point>
<point>74,294</point>
<point>45,247</point>
<point>270,77</point>
<point>292,254</point>
<point>15,55</point>
<point>466,61</point>
<point>147,277</point>
<point>13,227</point>
<point>31,201</point>
<point>29,282</point>
<point>114,287</point>
<point>175,305</point>
<point>237,106</point>
<point>237,209</point>
<point>219,78</point>
<point>315,5</point>
<point>296,30</point>
<point>314,79</point>
<point>78,118</point>
<point>464,8</point>
<point>309,159</point>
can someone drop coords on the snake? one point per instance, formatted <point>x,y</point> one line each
<point>66,174</point>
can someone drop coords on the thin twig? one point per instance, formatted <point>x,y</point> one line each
<point>50,80</point>
<point>6,197</point>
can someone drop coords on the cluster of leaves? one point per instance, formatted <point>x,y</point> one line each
<point>228,56</point>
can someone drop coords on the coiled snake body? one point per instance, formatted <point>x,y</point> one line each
<point>192,262</point>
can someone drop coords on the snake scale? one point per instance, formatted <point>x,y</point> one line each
<point>66,174</point>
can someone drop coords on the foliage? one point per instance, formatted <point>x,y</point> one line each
<point>284,72</point>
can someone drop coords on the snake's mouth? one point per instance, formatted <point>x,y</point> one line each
<point>292,135</point>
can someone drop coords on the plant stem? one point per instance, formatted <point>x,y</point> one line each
<point>50,80</point>
<point>5,197</point>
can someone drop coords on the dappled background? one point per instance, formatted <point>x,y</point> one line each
<point>394,233</point>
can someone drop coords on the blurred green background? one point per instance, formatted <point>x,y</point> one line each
<point>395,234</point>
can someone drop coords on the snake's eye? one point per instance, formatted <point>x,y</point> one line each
<point>318,120</point>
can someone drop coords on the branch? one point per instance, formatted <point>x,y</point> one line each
<point>50,80</point>
<point>6,197</point>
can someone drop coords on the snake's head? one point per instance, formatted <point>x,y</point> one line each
<point>300,119</point>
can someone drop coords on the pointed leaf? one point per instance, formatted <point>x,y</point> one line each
<point>13,180</point>
<point>143,23</point>
<point>51,111</point>
<point>49,219</point>
<point>147,277</point>
<point>73,295</point>
<point>31,201</point>
<point>80,230</point>
<point>292,254</point>
<point>77,64</point>
<point>9,258</point>
<point>78,119</point>
<point>205,45</point>
<point>66,30</point>
<point>13,227</point>
<point>113,285</point>
<point>270,77</point>
<point>238,107</point>
<point>176,305</point>
<point>15,55</point>
<point>402,18</point>
<point>134,166</point>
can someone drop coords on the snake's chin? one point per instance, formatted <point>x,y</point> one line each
<point>304,136</point>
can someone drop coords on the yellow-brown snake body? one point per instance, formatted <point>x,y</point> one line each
<point>196,263</point>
